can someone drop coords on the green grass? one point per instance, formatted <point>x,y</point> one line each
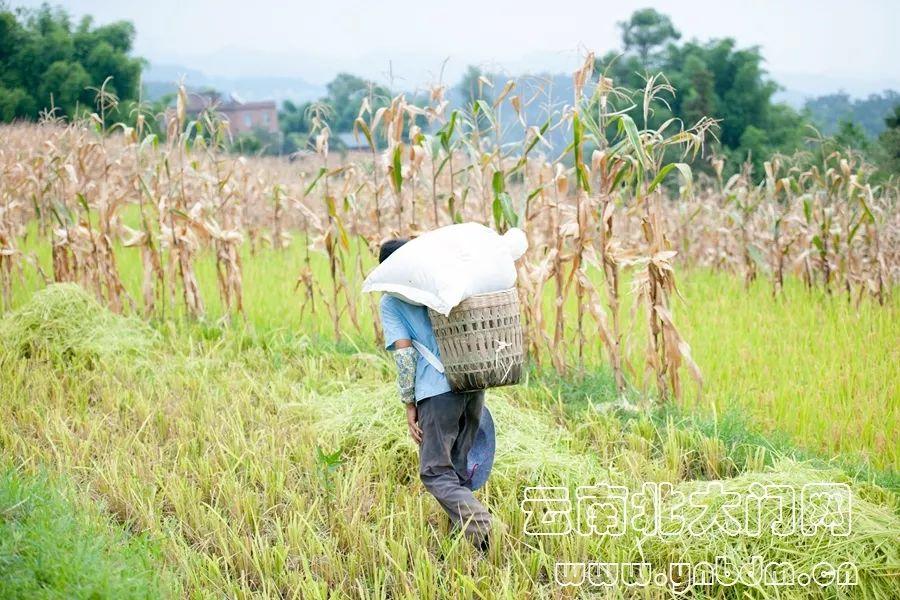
<point>807,365</point>
<point>205,440</point>
<point>814,367</point>
<point>209,445</point>
<point>53,545</point>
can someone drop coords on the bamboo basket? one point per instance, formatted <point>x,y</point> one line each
<point>481,341</point>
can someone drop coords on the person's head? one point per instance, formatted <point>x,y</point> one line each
<point>388,248</point>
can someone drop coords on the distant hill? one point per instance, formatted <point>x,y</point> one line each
<point>798,88</point>
<point>159,80</point>
<point>828,111</point>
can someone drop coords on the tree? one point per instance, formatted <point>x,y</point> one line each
<point>472,86</point>
<point>715,79</point>
<point>829,111</point>
<point>47,62</point>
<point>892,121</point>
<point>889,143</point>
<point>699,96</point>
<point>345,95</point>
<point>66,84</point>
<point>851,134</point>
<point>294,125</point>
<point>647,30</point>
<point>15,104</point>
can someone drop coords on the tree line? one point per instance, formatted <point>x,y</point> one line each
<point>47,62</point>
<point>714,78</point>
<point>50,63</point>
<point>719,79</point>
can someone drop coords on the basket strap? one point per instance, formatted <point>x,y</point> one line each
<point>428,355</point>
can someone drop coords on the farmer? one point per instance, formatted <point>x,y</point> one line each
<point>443,423</point>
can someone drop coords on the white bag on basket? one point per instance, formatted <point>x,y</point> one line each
<point>441,268</point>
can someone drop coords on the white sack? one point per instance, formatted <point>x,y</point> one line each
<point>441,268</point>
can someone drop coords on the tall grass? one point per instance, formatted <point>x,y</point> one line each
<point>215,450</point>
<point>813,366</point>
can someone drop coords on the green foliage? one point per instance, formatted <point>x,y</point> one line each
<point>715,79</point>
<point>889,144</point>
<point>830,111</point>
<point>259,141</point>
<point>47,62</point>
<point>345,95</point>
<point>580,389</point>
<point>851,134</point>
<point>294,124</point>
<point>883,152</point>
<point>327,463</point>
<point>54,547</point>
<point>647,30</point>
<point>246,143</point>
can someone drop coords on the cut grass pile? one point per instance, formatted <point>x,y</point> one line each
<point>786,498</point>
<point>53,545</point>
<point>216,451</point>
<point>66,324</point>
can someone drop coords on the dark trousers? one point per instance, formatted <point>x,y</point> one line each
<point>449,423</point>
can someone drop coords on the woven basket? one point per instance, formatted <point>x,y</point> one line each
<point>480,341</point>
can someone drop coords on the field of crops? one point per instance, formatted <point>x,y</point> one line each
<point>192,380</point>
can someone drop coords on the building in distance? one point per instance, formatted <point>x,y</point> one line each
<point>242,117</point>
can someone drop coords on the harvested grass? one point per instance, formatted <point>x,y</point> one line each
<point>65,324</point>
<point>217,453</point>
<point>773,530</point>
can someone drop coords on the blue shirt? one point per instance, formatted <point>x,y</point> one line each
<point>404,321</point>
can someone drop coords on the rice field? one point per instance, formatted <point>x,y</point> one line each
<point>205,441</point>
<point>192,380</point>
<point>815,368</point>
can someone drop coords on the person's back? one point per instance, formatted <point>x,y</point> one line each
<point>402,320</point>
<point>442,422</point>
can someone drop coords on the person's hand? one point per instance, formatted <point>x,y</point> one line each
<point>412,420</point>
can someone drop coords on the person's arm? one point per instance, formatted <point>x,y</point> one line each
<point>405,357</point>
<point>397,340</point>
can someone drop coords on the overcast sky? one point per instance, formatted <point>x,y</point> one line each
<point>826,41</point>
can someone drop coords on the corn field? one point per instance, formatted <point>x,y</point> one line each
<point>616,213</point>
